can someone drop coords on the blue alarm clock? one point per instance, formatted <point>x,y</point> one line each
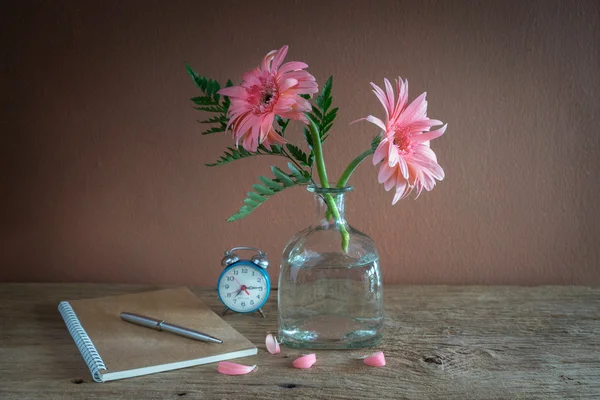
<point>244,285</point>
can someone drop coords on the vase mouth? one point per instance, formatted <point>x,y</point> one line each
<point>329,190</point>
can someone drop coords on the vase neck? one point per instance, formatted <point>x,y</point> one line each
<point>323,214</point>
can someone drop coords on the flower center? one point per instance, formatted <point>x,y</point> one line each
<point>402,140</point>
<point>265,95</point>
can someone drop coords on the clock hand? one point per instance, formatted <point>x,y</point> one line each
<point>236,280</point>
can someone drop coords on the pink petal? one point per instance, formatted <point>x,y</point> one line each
<point>403,167</point>
<point>415,110</point>
<point>251,78</point>
<point>381,151</point>
<point>402,87</point>
<point>376,121</point>
<point>230,368</point>
<point>390,95</point>
<point>390,183</point>
<point>376,360</point>
<point>382,98</point>
<point>427,136</point>
<point>292,66</point>
<point>272,345</point>
<point>385,172</point>
<point>233,91</point>
<point>266,64</point>
<point>279,57</point>
<point>305,361</point>
<point>393,156</point>
<point>288,83</point>
<point>402,190</point>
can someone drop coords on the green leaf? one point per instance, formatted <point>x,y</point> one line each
<point>256,197</point>
<point>262,189</point>
<point>322,99</point>
<point>263,193</point>
<point>326,104</point>
<point>285,179</point>
<point>276,187</point>
<point>330,116</point>
<point>321,116</point>
<point>198,80</point>
<point>308,137</point>
<point>204,101</point>
<point>214,129</point>
<point>311,156</point>
<point>251,203</point>
<point>216,109</point>
<point>214,120</point>
<point>298,154</point>
<point>283,124</point>
<point>232,155</point>
<point>317,115</point>
<point>295,171</point>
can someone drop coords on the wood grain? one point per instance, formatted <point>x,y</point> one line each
<point>441,343</point>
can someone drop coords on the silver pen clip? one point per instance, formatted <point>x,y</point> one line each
<point>161,325</point>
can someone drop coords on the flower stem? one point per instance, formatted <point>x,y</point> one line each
<point>322,172</point>
<point>351,167</point>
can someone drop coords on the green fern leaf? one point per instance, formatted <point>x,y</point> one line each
<point>217,119</point>
<point>214,130</point>
<point>216,109</point>
<point>263,193</point>
<point>296,172</point>
<point>298,154</point>
<point>262,189</point>
<point>232,155</point>
<point>204,101</point>
<point>282,176</point>
<point>276,187</point>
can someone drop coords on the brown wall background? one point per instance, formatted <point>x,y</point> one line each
<point>103,176</point>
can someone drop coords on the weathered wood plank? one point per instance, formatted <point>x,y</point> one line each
<point>441,342</point>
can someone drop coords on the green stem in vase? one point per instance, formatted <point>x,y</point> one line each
<point>322,172</point>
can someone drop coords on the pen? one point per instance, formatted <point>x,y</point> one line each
<point>161,325</point>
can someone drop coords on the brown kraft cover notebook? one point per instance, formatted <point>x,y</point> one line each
<point>115,349</point>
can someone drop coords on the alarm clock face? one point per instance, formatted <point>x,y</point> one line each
<point>244,287</point>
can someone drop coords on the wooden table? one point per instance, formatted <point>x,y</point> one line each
<point>441,343</point>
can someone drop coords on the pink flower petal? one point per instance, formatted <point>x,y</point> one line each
<point>376,360</point>
<point>292,66</point>
<point>272,345</point>
<point>306,361</point>
<point>376,121</point>
<point>230,368</point>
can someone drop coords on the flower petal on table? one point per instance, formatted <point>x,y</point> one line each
<point>272,344</point>
<point>230,368</point>
<point>376,360</point>
<point>306,361</point>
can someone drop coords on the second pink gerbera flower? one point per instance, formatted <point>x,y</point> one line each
<point>273,89</point>
<point>407,161</point>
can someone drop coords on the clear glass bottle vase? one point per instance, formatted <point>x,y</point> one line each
<point>329,298</point>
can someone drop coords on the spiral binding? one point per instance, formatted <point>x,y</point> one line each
<point>82,340</point>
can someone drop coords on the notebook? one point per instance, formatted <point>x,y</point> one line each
<point>115,349</point>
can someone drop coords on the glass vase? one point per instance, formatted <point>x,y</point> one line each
<point>329,298</point>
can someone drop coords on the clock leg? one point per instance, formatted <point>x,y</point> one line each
<point>225,311</point>
<point>261,312</point>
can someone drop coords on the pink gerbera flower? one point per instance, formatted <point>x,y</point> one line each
<point>408,161</point>
<point>273,89</point>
